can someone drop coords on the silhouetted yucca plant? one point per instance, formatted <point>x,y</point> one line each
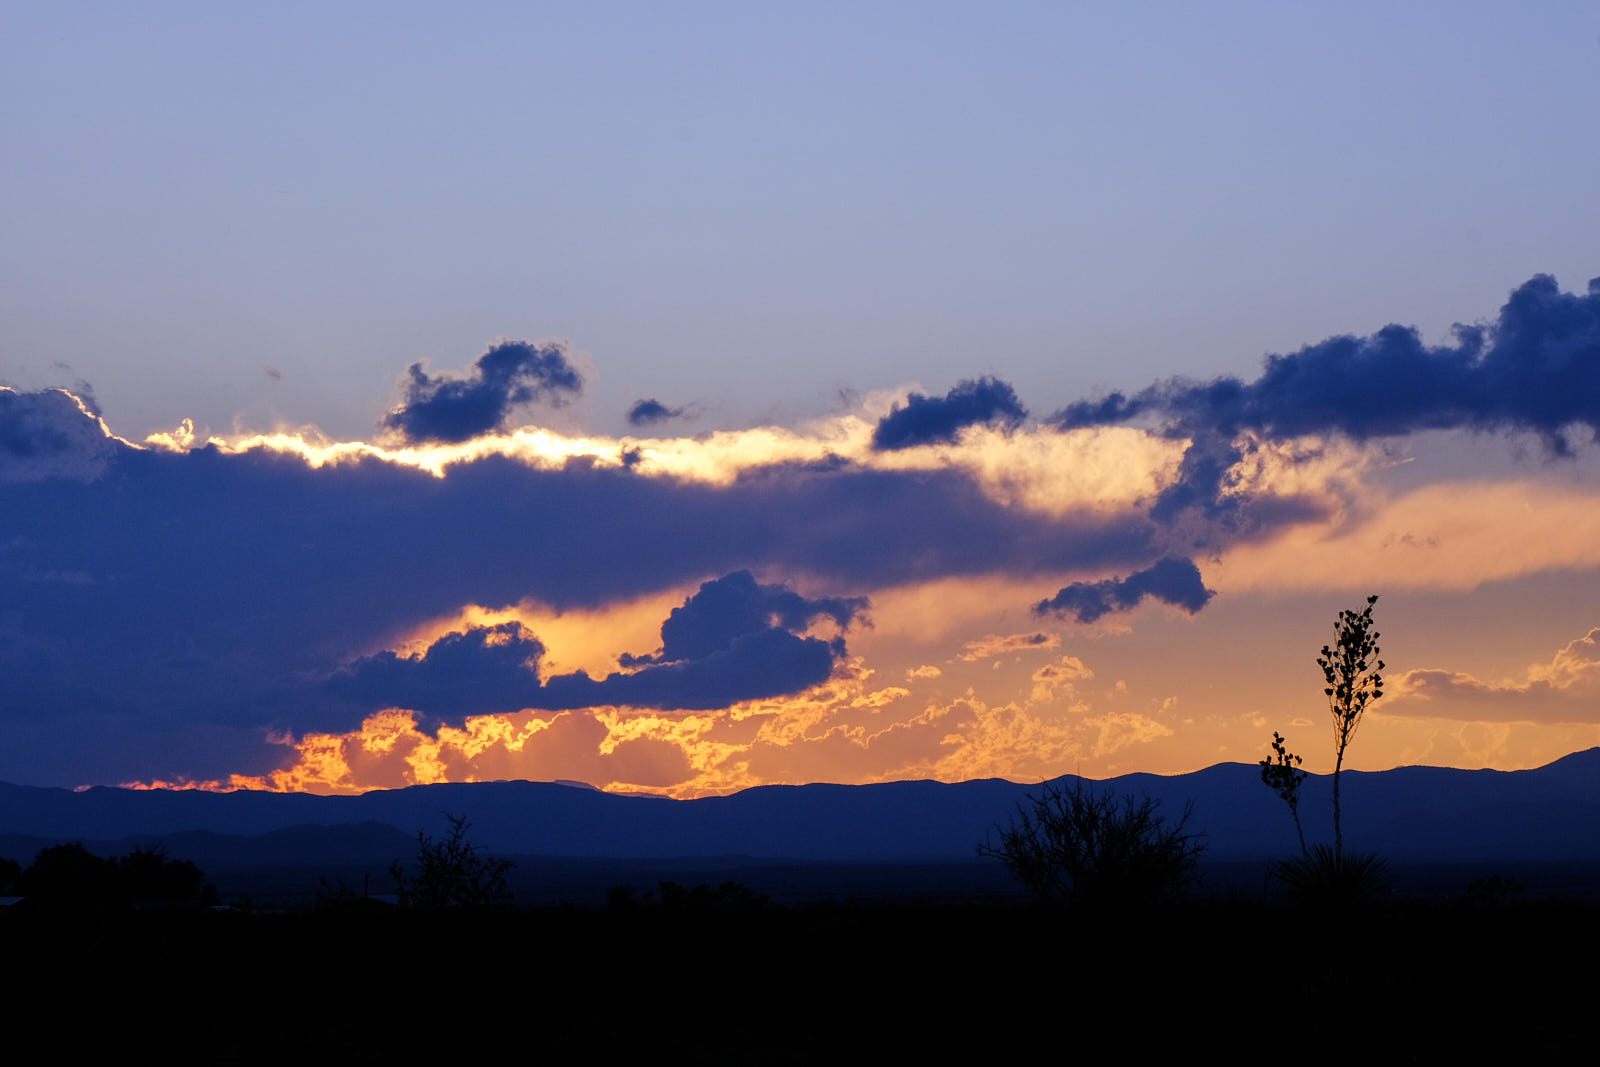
<point>1076,846</point>
<point>1326,878</point>
<point>1322,876</point>
<point>1352,669</point>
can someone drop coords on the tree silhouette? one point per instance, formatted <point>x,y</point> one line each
<point>70,875</point>
<point>451,873</point>
<point>146,874</point>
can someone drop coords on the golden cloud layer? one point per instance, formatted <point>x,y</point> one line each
<point>1565,690</point>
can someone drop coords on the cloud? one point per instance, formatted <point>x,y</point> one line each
<point>151,594</point>
<point>650,411</point>
<point>735,606</point>
<point>1173,580</point>
<point>731,641</point>
<point>391,749</point>
<point>1458,535</point>
<point>770,662</point>
<point>483,670</point>
<point>445,408</point>
<point>51,434</point>
<point>1565,690</point>
<point>995,645</point>
<point>926,420</point>
<point>1536,369</point>
<point>212,585</point>
<point>1069,671</point>
<point>1063,677</point>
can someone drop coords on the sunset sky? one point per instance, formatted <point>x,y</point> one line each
<point>682,398</point>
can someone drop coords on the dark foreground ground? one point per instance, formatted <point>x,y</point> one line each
<point>1409,981</point>
<point>542,881</point>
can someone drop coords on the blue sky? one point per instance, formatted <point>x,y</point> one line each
<point>750,207</point>
<point>880,266</point>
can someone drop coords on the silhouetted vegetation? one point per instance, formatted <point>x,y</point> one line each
<point>1353,683</point>
<point>1328,878</point>
<point>451,873</point>
<point>148,875</point>
<point>1085,848</point>
<point>1351,667</point>
<point>339,896</point>
<point>1280,772</point>
<point>71,876</point>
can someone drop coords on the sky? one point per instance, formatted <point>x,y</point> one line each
<point>682,398</point>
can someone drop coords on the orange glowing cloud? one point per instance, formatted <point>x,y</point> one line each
<point>846,730</point>
<point>994,645</point>
<point>1566,690</point>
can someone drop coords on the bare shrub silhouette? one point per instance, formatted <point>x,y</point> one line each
<point>452,874</point>
<point>1075,846</point>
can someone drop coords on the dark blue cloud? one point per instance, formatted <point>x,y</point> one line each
<point>484,670</point>
<point>926,420</point>
<point>148,596</point>
<point>767,663</point>
<point>733,606</point>
<point>1173,580</point>
<point>48,435</point>
<point>650,411</point>
<point>450,409</point>
<point>733,640</point>
<point>1536,369</point>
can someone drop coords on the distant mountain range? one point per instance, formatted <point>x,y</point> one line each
<point>1423,814</point>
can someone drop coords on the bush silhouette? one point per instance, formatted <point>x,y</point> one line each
<point>1075,846</point>
<point>1325,878</point>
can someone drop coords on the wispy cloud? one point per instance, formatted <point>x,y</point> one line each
<point>996,645</point>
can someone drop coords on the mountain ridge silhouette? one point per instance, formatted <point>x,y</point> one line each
<point>1406,813</point>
